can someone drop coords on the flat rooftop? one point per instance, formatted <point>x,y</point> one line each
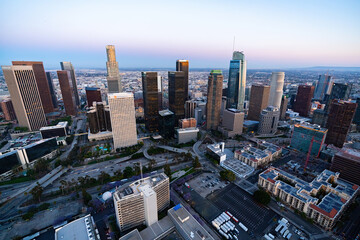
<point>165,112</point>
<point>238,167</point>
<point>80,229</point>
<point>59,125</point>
<point>162,227</point>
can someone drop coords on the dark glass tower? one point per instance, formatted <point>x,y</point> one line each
<point>177,94</point>
<point>183,66</point>
<point>67,92</point>
<point>92,95</point>
<point>302,102</point>
<point>52,89</point>
<point>151,100</point>
<point>237,82</point>
<point>69,67</point>
<point>214,97</point>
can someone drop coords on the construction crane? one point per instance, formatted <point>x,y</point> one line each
<point>309,151</point>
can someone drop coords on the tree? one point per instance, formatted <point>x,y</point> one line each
<point>37,192</point>
<point>41,165</point>
<point>196,163</point>
<point>167,170</point>
<point>227,175</point>
<point>128,172</point>
<point>262,197</point>
<point>104,177</point>
<point>86,196</point>
<point>137,168</point>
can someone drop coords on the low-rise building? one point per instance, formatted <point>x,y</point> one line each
<point>59,130</point>
<point>240,169</point>
<point>185,135</point>
<point>258,157</point>
<point>323,200</point>
<point>217,151</point>
<point>82,228</point>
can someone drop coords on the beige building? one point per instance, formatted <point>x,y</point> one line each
<point>122,115</point>
<point>232,122</point>
<point>112,67</point>
<point>25,96</point>
<point>139,202</point>
<point>269,119</point>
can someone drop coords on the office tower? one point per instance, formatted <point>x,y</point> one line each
<point>269,119</point>
<point>99,118</point>
<point>232,123</point>
<point>67,92</point>
<point>357,113</point>
<point>247,93</point>
<point>183,66</point>
<point>69,67</point>
<point>166,123</point>
<point>140,201</point>
<point>151,100</point>
<point>41,82</point>
<point>52,89</point>
<point>339,91</point>
<point>160,92</point>
<point>283,107</point>
<point>259,99</point>
<point>214,96</point>
<point>323,87</point>
<point>112,67</point>
<point>308,137</point>
<point>223,106</point>
<point>25,96</point>
<point>347,163</point>
<point>122,115</point>
<point>187,123</point>
<point>190,106</point>
<point>319,117</point>
<point>8,110</point>
<point>177,94</point>
<point>341,114</point>
<point>198,115</point>
<point>237,82</point>
<point>93,94</point>
<point>302,102</point>
<point>276,88</point>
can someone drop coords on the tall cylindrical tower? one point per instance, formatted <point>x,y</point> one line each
<point>276,89</point>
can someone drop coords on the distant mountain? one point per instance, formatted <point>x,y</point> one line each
<point>323,68</point>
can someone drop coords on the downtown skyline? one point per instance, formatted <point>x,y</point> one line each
<point>277,35</point>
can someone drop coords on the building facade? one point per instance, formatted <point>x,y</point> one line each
<point>183,66</point>
<point>283,107</point>
<point>357,113</point>
<point>190,106</point>
<point>347,163</point>
<point>59,130</point>
<point>52,89</point>
<point>166,123</point>
<point>177,94</point>
<point>93,94</point>
<point>259,99</point>
<point>323,87</point>
<point>8,110</point>
<point>214,96</point>
<point>25,96</point>
<point>67,92</point>
<point>276,89</point>
<point>123,123</point>
<point>185,135</point>
<point>67,66</point>
<point>302,102</point>
<point>112,66</point>
<point>99,118</point>
<point>187,122</point>
<point>232,123</point>
<point>237,82</point>
<point>151,100</point>
<point>269,119</point>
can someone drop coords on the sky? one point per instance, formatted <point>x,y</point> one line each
<point>154,33</point>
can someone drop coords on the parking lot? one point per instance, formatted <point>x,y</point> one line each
<point>206,183</point>
<point>253,215</point>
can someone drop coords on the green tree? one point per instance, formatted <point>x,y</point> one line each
<point>262,197</point>
<point>86,196</point>
<point>128,172</point>
<point>104,177</point>
<point>196,163</point>
<point>227,175</point>
<point>37,192</point>
<point>41,165</point>
<point>137,168</point>
<point>167,170</point>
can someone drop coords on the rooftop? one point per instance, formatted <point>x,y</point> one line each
<point>120,95</point>
<point>165,112</point>
<point>187,130</point>
<point>59,125</point>
<point>349,153</point>
<point>82,228</point>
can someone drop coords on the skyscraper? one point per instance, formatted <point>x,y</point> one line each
<point>8,110</point>
<point>259,99</point>
<point>122,115</point>
<point>52,89</point>
<point>214,96</point>
<point>177,94</point>
<point>151,100</point>
<point>190,106</point>
<point>183,66</point>
<point>99,118</point>
<point>25,96</point>
<point>269,119</point>
<point>67,92</point>
<point>237,82</point>
<point>69,67</point>
<point>276,88</point>
<point>340,91</point>
<point>357,113</point>
<point>93,94</point>
<point>302,102</point>
<point>283,107</point>
<point>41,82</point>
<point>341,114</point>
<point>112,67</point>
<point>323,87</point>
<point>160,92</point>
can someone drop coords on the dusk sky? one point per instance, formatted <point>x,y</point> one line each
<point>272,34</point>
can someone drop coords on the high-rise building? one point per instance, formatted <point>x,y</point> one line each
<point>232,123</point>
<point>214,96</point>
<point>41,82</point>
<point>259,99</point>
<point>99,118</point>
<point>341,114</point>
<point>357,113</point>
<point>122,115</point>
<point>237,82</point>
<point>160,92</point>
<point>283,107</point>
<point>323,87</point>
<point>183,66</point>
<point>190,106</point>
<point>140,201</point>
<point>25,96</point>
<point>302,102</point>
<point>8,110</point>
<point>319,117</point>
<point>187,123</point>
<point>166,123</point>
<point>340,91</point>
<point>52,89</point>
<point>305,135</point>
<point>347,163</point>
<point>67,92</point>
<point>276,88</point>
<point>269,119</point>
<point>177,94</point>
<point>93,94</point>
<point>151,100</point>
<point>112,67</point>
<point>69,67</point>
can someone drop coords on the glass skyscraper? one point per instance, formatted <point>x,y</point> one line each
<point>237,82</point>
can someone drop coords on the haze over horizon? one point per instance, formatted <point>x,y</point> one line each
<point>279,34</point>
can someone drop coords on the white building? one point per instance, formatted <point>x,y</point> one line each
<point>122,115</point>
<point>187,134</point>
<point>276,89</point>
<point>81,229</point>
<point>217,150</point>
